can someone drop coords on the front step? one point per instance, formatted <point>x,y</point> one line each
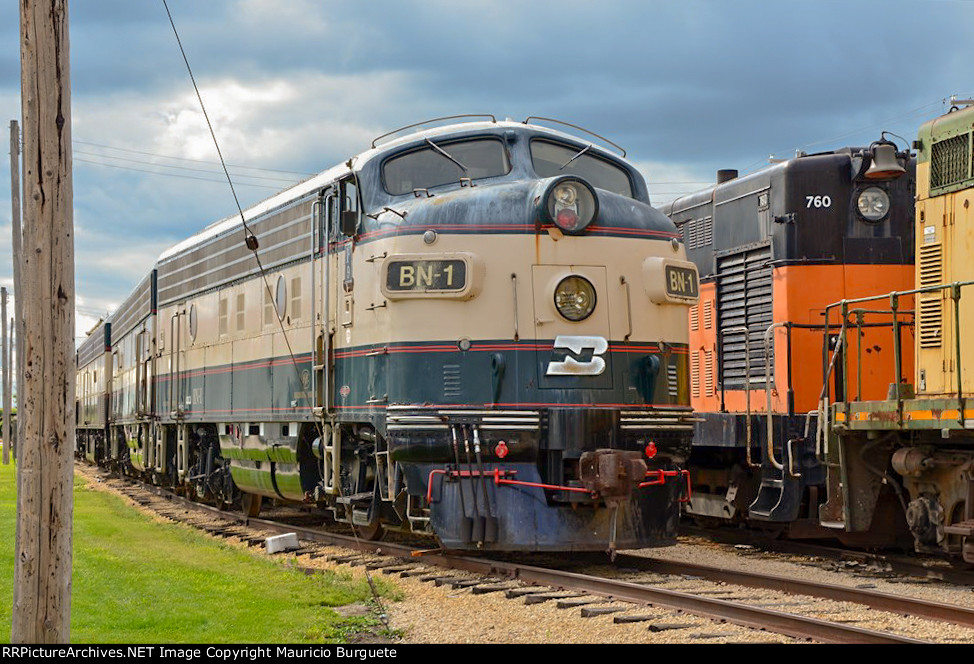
<point>778,501</point>
<point>962,528</point>
<point>769,497</point>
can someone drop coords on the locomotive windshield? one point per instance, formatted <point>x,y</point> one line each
<point>552,159</point>
<point>443,163</point>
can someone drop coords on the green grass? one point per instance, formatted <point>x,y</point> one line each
<point>136,580</point>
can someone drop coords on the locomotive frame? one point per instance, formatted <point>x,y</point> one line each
<point>475,331</point>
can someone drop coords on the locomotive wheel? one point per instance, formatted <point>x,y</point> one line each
<point>250,504</point>
<point>372,532</point>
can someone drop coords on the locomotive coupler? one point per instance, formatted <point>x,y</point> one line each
<point>612,474</point>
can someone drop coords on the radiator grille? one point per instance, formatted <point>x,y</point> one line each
<point>744,300</point>
<point>950,161</point>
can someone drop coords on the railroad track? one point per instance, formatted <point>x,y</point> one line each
<point>937,569</point>
<point>662,594</point>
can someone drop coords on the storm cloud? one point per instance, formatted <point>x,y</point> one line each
<point>295,86</point>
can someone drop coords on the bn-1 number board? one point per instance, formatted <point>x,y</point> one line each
<point>681,282</point>
<point>426,275</point>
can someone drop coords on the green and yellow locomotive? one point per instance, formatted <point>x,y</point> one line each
<point>476,331</point>
<point>915,449</point>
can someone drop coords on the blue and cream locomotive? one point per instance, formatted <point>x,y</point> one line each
<point>476,331</point>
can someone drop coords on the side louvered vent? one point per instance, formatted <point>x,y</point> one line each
<point>950,162</point>
<point>744,300</point>
<point>931,307</point>
<point>673,380</point>
<point>708,315</point>
<point>452,388</point>
<point>695,317</point>
<point>708,373</point>
<point>695,374</point>
<point>699,233</point>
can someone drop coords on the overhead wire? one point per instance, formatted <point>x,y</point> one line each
<point>912,113</point>
<point>197,161</point>
<point>172,175</point>
<point>182,168</point>
<point>252,244</point>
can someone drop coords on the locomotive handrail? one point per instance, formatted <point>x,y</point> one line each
<point>621,149</point>
<point>823,398</point>
<point>316,206</point>
<point>747,389</point>
<point>894,296</point>
<point>376,140</point>
<point>517,336</point>
<point>767,391</point>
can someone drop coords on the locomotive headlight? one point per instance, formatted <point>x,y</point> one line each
<point>873,204</point>
<point>575,298</point>
<point>565,195</point>
<point>571,205</point>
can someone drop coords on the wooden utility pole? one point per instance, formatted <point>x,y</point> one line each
<point>42,574</point>
<point>5,378</point>
<point>18,300</point>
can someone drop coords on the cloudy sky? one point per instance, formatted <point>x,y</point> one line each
<point>295,86</point>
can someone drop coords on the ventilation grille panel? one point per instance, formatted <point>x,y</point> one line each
<point>931,305</point>
<point>950,162</point>
<point>744,288</point>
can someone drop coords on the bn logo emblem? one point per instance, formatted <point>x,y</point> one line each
<point>578,347</point>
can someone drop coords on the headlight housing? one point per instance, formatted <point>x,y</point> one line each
<point>570,204</point>
<point>575,298</point>
<point>873,203</point>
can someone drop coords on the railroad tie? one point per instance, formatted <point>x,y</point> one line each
<point>396,569</point>
<point>514,593</point>
<point>624,620</point>
<point>540,599</point>
<point>382,564</point>
<point>436,578</point>
<point>581,601</point>
<point>417,571</point>
<point>594,611</point>
<point>490,588</point>
<point>664,627</point>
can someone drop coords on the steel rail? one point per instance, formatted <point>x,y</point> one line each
<point>779,622</point>
<point>899,604</point>
<point>898,564</point>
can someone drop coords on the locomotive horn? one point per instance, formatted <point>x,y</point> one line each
<point>884,163</point>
